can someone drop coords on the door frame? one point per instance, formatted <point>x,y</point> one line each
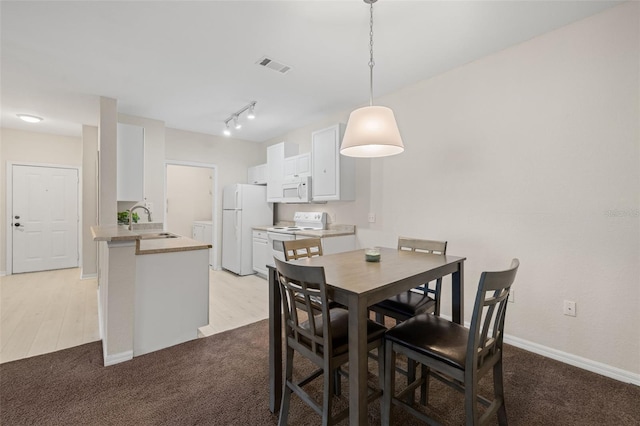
<point>9,207</point>
<point>214,200</point>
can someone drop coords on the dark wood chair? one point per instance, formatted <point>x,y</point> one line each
<point>457,356</point>
<point>424,298</point>
<point>321,338</point>
<point>306,247</point>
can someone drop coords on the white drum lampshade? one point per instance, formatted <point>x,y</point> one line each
<point>371,132</point>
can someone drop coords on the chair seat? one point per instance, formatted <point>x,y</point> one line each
<point>433,336</point>
<point>340,329</point>
<point>409,303</point>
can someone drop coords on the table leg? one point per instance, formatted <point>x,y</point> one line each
<point>275,343</point>
<point>358,362</point>
<point>457,296</point>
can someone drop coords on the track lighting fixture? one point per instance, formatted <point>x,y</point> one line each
<point>235,117</point>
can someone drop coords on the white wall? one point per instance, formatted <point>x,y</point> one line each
<point>89,200</point>
<point>189,197</point>
<point>232,158</point>
<point>107,161</point>
<point>31,147</point>
<point>533,152</point>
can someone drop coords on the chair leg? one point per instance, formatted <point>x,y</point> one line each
<point>470,405</point>
<point>498,390</point>
<point>327,395</point>
<point>424,388</point>
<point>337,385</point>
<point>381,365</point>
<point>389,382</point>
<point>286,392</point>
<point>411,377</point>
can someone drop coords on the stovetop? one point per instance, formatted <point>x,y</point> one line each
<point>304,221</point>
<point>292,228</point>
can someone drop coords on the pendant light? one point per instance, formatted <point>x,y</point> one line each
<point>371,131</point>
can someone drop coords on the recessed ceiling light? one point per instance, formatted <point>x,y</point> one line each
<point>29,118</point>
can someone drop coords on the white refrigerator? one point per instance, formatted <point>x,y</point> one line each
<point>243,207</point>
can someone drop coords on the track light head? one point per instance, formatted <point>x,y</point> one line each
<point>235,117</point>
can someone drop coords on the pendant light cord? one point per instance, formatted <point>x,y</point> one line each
<point>371,62</point>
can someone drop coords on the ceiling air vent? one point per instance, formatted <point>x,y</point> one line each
<point>274,65</point>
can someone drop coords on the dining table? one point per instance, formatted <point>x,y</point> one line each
<point>357,284</point>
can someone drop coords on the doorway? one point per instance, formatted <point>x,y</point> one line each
<point>43,207</point>
<point>190,197</point>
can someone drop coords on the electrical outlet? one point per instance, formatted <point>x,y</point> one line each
<point>569,308</point>
<point>149,206</point>
<point>512,296</point>
<point>372,217</point>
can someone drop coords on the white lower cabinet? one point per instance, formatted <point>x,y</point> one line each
<point>261,252</point>
<point>171,299</point>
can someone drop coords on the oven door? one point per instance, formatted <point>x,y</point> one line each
<point>276,248</point>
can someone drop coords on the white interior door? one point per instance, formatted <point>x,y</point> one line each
<point>44,218</point>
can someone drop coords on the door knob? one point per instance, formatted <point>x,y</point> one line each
<point>16,224</point>
<point>17,217</point>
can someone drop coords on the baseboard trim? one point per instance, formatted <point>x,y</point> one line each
<point>577,361</point>
<point>117,358</point>
<point>3,273</point>
<point>84,276</point>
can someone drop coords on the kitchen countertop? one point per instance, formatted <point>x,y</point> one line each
<point>332,231</point>
<point>146,246</point>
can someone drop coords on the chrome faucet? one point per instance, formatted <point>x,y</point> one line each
<point>138,207</point>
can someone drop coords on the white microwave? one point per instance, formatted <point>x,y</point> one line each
<point>297,190</point>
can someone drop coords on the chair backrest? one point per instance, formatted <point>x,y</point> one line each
<point>487,322</point>
<point>301,287</point>
<point>423,246</point>
<point>306,247</point>
<point>426,246</point>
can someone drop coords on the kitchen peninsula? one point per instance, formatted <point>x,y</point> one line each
<point>153,290</point>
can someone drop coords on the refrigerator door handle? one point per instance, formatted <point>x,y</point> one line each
<point>236,204</point>
<point>238,213</point>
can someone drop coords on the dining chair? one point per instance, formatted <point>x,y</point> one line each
<point>453,354</point>
<point>422,299</point>
<point>306,247</point>
<point>321,338</point>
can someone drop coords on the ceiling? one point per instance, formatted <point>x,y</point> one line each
<point>193,64</point>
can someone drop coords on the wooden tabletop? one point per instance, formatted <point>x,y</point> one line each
<point>350,272</point>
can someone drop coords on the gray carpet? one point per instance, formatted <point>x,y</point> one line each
<point>222,380</point>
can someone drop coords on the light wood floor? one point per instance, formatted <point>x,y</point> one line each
<point>47,311</point>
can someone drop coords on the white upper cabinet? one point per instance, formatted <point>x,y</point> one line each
<point>332,174</point>
<point>298,165</point>
<point>257,175</point>
<point>276,155</point>
<point>130,163</point>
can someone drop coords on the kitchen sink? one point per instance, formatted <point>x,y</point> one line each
<point>157,235</point>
